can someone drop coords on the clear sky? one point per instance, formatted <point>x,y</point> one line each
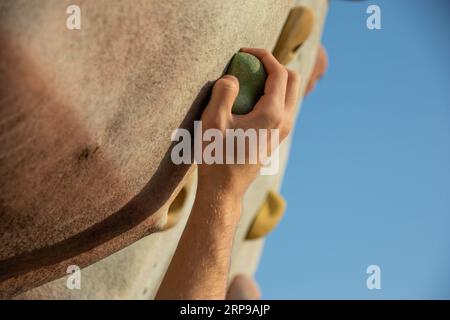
<point>368,179</point>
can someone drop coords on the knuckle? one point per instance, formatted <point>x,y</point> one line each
<point>283,73</point>
<point>293,75</point>
<point>265,52</point>
<point>269,57</point>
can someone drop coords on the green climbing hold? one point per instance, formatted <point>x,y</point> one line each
<point>252,77</point>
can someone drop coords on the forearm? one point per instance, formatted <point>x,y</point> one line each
<point>200,266</point>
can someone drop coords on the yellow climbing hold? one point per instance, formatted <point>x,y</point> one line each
<point>296,30</point>
<point>173,215</point>
<point>268,216</point>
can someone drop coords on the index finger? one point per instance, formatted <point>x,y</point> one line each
<point>276,74</point>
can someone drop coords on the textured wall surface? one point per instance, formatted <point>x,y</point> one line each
<point>117,90</point>
<point>87,117</point>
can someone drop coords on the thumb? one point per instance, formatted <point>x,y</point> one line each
<point>223,94</point>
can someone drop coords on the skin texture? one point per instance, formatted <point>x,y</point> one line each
<point>208,237</point>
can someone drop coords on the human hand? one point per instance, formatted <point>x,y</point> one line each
<point>274,110</point>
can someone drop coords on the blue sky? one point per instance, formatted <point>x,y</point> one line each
<point>368,179</point>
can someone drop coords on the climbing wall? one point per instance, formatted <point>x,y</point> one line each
<point>170,74</point>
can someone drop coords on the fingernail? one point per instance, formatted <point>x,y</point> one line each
<point>229,76</point>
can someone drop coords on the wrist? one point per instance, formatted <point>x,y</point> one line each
<point>221,203</point>
<point>221,192</point>
<point>227,188</point>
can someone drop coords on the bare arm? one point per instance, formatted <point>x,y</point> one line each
<point>201,262</point>
<point>200,266</point>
